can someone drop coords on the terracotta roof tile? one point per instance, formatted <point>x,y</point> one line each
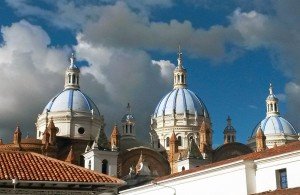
<point>29,166</point>
<point>252,156</point>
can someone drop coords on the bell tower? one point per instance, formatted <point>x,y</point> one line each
<point>229,132</point>
<point>128,125</point>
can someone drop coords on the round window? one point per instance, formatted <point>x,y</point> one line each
<point>81,130</point>
<point>57,129</point>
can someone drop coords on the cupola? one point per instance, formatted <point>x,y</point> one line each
<point>272,103</point>
<point>179,73</point>
<point>72,75</point>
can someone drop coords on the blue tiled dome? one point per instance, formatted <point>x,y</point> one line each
<point>181,100</point>
<point>275,125</point>
<point>72,99</point>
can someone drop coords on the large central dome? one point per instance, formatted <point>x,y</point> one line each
<point>72,99</point>
<point>180,112</point>
<point>180,101</point>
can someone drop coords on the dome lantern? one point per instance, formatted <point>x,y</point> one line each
<point>128,124</point>
<point>272,103</point>
<point>229,132</point>
<point>72,75</point>
<point>179,73</point>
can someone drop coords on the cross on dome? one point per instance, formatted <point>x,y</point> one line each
<point>228,121</point>
<point>72,61</point>
<point>271,89</point>
<point>179,57</point>
<point>128,108</point>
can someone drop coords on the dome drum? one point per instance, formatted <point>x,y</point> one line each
<point>68,124</point>
<point>176,120</point>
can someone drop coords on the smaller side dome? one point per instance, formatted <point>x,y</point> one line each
<point>275,125</point>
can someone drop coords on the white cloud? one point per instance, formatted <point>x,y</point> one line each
<point>127,76</point>
<point>115,38</point>
<point>293,103</point>
<point>31,72</point>
<point>166,68</point>
<point>251,26</point>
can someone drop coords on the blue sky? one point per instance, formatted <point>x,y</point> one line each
<point>232,51</point>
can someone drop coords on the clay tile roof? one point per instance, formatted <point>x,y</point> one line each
<point>29,166</point>
<point>294,146</point>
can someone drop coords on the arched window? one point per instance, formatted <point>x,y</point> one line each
<point>178,78</point>
<point>130,128</point>
<point>179,141</point>
<point>73,79</point>
<point>126,128</point>
<point>183,168</point>
<point>77,80</point>
<point>271,107</point>
<point>275,105</point>
<point>90,164</point>
<point>228,139</point>
<point>167,141</point>
<point>104,166</point>
<point>158,143</point>
<point>69,78</point>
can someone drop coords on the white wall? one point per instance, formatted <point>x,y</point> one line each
<point>266,171</point>
<point>96,157</point>
<point>219,180</point>
<point>239,177</point>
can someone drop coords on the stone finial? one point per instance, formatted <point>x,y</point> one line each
<point>17,135</point>
<point>71,156</point>
<point>260,140</point>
